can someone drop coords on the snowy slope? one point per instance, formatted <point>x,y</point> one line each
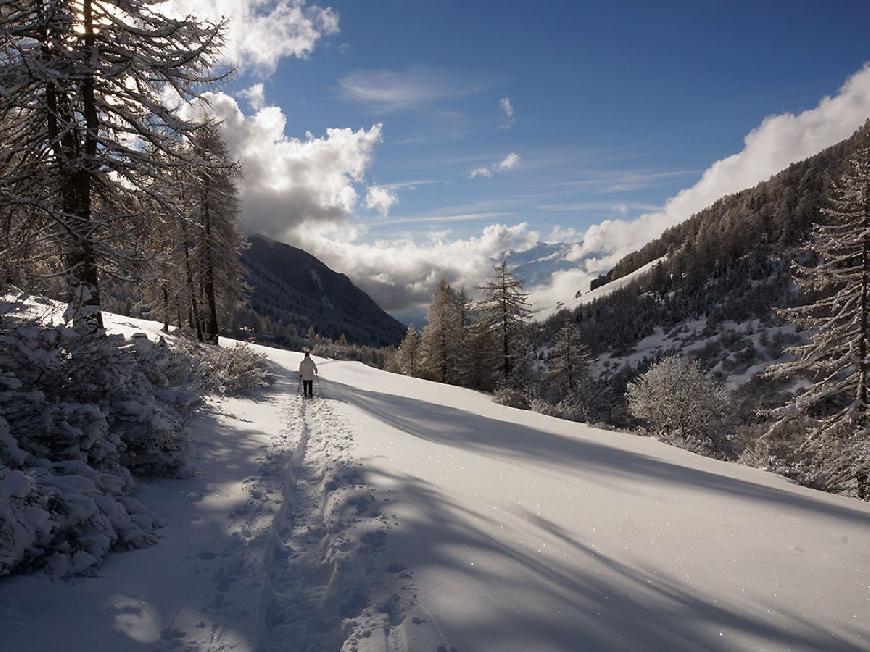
<point>399,514</point>
<point>604,290</point>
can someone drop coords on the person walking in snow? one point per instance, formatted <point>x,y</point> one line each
<point>307,369</point>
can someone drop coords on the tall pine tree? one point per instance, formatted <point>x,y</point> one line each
<point>407,356</point>
<point>85,93</point>
<point>503,311</point>
<point>568,363</point>
<point>441,338</point>
<point>835,359</point>
<point>219,242</point>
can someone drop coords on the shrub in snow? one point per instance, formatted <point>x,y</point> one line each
<point>542,406</point>
<point>91,397</point>
<point>573,407</point>
<point>682,405</point>
<point>515,394</point>
<point>66,515</point>
<point>238,370</point>
<point>234,371</point>
<point>78,413</point>
<point>778,451</point>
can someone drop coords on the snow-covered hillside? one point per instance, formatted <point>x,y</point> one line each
<point>583,298</point>
<point>392,513</point>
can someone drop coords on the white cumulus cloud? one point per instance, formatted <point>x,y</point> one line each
<point>401,273</point>
<point>508,163</point>
<point>381,199</point>
<point>261,32</point>
<point>777,142</point>
<point>290,181</point>
<point>256,96</point>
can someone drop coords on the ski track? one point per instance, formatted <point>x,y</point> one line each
<point>327,582</point>
<point>297,564</point>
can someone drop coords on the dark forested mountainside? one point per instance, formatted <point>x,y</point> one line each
<point>291,291</point>
<point>727,263</point>
<point>776,213</point>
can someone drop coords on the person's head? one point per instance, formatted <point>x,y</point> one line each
<point>307,354</point>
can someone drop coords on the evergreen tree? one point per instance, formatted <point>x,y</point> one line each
<point>835,359</point>
<point>465,352</point>
<point>441,337</point>
<point>219,242</point>
<point>84,96</point>
<point>503,311</point>
<point>407,355</point>
<point>568,363</point>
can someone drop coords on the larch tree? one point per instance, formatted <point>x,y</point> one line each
<point>465,351</point>
<point>441,337</point>
<point>408,353</point>
<point>86,93</point>
<point>503,311</point>
<point>219,241</point>
<point>835,359</point>
<point>568,362</point>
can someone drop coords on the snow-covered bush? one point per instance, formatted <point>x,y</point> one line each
<point>542,406</point>
<point>573,408</point>
<point>78,413</point>
<point>682,405</point>
<point>570,408</point>
<point>794,448</point>
<point>233,371</point>
<point>514,394</point>
<point>777,451</point>
<point>92,397</point>
<point>66,516</point>
<point>237,370</point>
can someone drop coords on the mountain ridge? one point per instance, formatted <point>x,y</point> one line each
<point>294,291</point>
<point>719,279</point>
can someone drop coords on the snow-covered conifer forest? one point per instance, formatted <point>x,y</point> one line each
<point>676,457</point>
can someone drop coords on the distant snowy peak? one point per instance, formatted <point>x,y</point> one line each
<point>535,266</point>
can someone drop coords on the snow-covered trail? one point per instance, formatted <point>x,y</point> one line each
<point>395,514</point>
<point>199,587</point>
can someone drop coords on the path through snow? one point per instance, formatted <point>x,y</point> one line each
<point>397,514</point>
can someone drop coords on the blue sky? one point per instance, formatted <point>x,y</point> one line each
<point>407,142</point>
<point>616,106</point>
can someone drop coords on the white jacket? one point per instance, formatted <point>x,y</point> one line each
<point>307,369</point>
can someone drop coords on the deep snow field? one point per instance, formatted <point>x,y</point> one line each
<point>392,513</point>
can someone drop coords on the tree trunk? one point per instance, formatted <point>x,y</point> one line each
<point>84,277</point>
<point>78,255</point>
<point>179,320</point>
<point>443,354</point>
<point>862,346</point>
<point>191,291</point>
<point>8,277</point>
<point>208,269</point>
<point>504,330</point>
<point>165,292</point>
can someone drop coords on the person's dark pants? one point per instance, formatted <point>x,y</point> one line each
<point>308,388</point>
